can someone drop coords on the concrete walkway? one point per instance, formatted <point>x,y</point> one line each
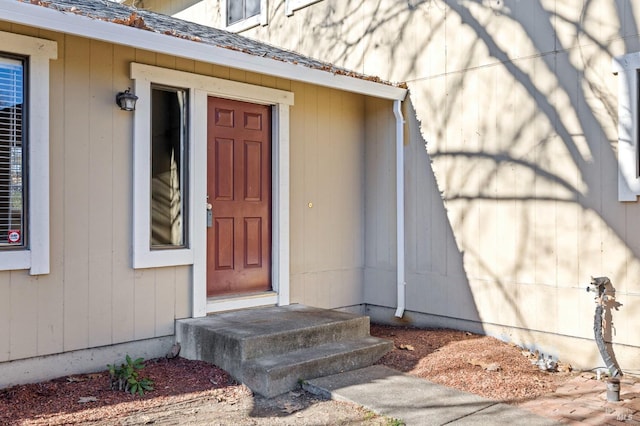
<point>416,401</point>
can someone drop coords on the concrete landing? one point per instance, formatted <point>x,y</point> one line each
<point>416,401</point>
<point>272,349</point>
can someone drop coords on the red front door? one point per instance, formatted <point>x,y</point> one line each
<point>239,190</point>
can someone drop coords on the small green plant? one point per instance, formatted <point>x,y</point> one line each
<point>127,377</point>
<point>395,422</point>
<point>370,415</point>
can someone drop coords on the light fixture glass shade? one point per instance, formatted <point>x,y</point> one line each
<point>126,100</point>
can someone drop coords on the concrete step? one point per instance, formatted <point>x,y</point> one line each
<point>231,338</point>
<point>257,346</point>
<point>274,375</point>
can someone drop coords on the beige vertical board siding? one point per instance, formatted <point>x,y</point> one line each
<point>51,287</point>
<point>312,139</point>
<point>569,314</point>
<point>205,12</point>
<point>300,128</point>
<point>326,196</point>
<point>380,187</point>
<point>571,158</point>
<point>523,144</point>
<point>123,282</point>
<point>417,205</point>
<point>163,6</point>
<point>181,298</point>
<point>165,292</point>
<point>380,242</point>
<point>439,251</point>
<point>318,252</point>
<point>632,226</point>
<point>24,315</point>
<point>352,150</point>
<point>502,123</point>
<point>343,45</point>
<point>76,195</point>
<point>347,221</point>
<point>332,187</point>
<point>144,304</point>
<point>101,165</point>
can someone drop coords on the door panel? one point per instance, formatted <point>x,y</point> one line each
<point>223,188</point>
<point>239,188</point>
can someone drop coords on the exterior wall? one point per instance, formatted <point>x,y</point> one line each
<point>514,200</point>
<point>92,297</point>
<point>327,201</point>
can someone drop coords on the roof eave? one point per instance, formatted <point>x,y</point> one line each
<point>80,25</point>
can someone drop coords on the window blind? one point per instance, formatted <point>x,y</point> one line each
<point>11,152</point>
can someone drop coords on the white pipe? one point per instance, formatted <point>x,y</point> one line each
<point>397,111</point>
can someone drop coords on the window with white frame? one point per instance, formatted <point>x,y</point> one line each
<point>627,68</point>
<point>293,5</point>
<point>24,152</point>
<point>163,165</point>
<point>240,15</point>
<point>12,140</point>
<point>169,143</point>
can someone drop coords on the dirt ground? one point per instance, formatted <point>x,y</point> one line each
<point>193,392</point>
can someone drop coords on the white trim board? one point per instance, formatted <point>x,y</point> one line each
<point>42,17</point>
<point>269,298</point>
<point>201,87</point>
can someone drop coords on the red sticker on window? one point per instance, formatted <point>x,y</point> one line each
<point>14,237</point>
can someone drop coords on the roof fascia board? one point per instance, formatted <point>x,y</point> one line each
<point>80,25</point>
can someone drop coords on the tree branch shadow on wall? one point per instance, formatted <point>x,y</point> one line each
<point>427,221</point>
<point>577,107</point>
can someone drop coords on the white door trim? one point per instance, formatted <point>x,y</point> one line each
<point>200,88</point>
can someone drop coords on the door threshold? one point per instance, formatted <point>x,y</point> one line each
<point>241,301</point>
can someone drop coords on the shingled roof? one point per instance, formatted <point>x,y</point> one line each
<point>170,27</point>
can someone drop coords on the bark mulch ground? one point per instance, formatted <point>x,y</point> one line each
<point>194,392</point>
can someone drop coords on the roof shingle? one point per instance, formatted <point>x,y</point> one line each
<point>117,13</point>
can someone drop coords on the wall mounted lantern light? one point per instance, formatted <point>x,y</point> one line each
<point>126,100</point>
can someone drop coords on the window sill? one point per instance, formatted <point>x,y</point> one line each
<point>245,24</point>
<point>15,260</point>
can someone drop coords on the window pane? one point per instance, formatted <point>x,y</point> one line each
<point>168,145</point>
<point>235,11</point>
<point>11,153</point>
<point>252,8</point>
